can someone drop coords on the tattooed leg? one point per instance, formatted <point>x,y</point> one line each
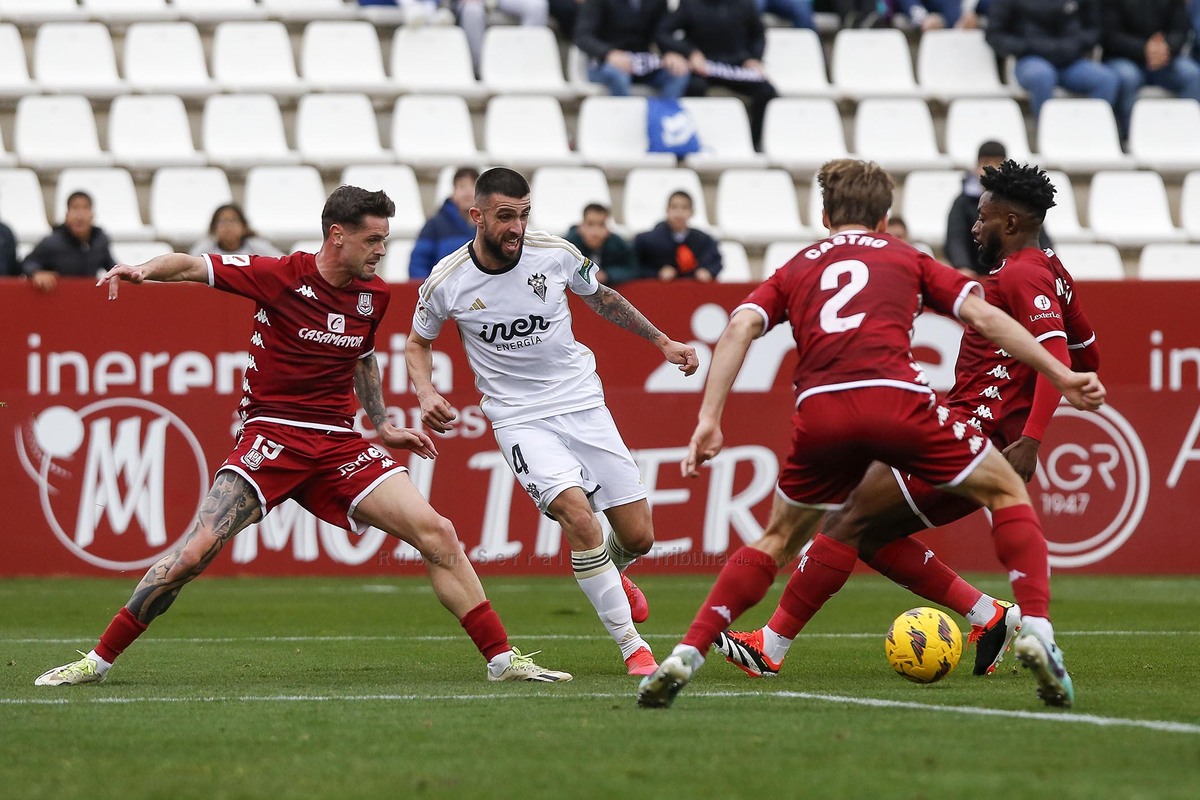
<point>229,507</point>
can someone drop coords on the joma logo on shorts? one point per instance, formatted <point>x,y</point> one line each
<point>516,329</point>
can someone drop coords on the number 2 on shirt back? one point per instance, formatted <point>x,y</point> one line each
<point>830,279</point>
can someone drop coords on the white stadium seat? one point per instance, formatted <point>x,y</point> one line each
<point>210,12</point>
<point>779,253</point>
<point>1091,261</point>
<point>954,63</point>
<point>394,268</point>
<point>22,204</point>
<point>1062,219</point>
<point>758,206</point>
<point>138,252</point>
<point>524,132</point>
<point>873,63</point>
<point>334,130</point>
<point>114,200</point>
<point>433,131</point>
<point>245,130</point>
<point>971,122</point>
<point>522,59</point>
<point>800,134</point>
<point>284,203</point>
<point>577,61</point>
<point>927,197</point>
<point>1189,205</point>
<point>7,159</point>
<point>400,183</point>
<point>309,10</point>
<point>1129,209</point>
<point>724,131</point>
<point>14,72</point>
<point>358,66</point>
<point>36,12</point>
<point>559,194</point>
<point>647,190</point>
<point>1078,134</point>
<point>149,131</point>
<point>795,62</point>
<point>77,58</point>
<point>183,199</point>
<point>1164,134</point>
<point>611,134</point>
<point>735,264</point>
<point>898,134</point>
<point>167,57</point>
<point>434,59</point>
<point>117,12</point>
<point>1170,262</point>
<point>52,132</point>
<point>255,57</point>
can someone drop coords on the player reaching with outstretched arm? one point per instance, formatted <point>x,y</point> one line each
<point>507,292</point>
<point>850,300</point>
<point>312,349</point>
<point>1010,404</point>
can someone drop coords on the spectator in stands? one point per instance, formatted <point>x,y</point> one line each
<point>723,41</point>
<point>961,250</point>
<point>612,255</point>
<point>898,228</point>
<point>617,36</point>
<point>1052,41</point>
<point>472,18</point>
<point>9,265</point>
<point>75,249</point>
<point>566,14</point>
<point>926,15</point>
<point>447,230</point>
<point>972,11</point>
<point>1143,42</point>
<point>797,12</point>
<point>230,234</point>
<point>673,250</point>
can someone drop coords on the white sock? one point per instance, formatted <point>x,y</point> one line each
<point>775,646</point>
<point>1039,625</point>
<point>621,557</point>
<point>102,666</point>
<point>982,612</point>
<point>601,582</point>
<point>690,655</point>
<point>500,662</point>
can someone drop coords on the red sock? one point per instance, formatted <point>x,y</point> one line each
<point>1021,547</point>
<point>486,630</point>
<point>119,634</point>
<point>823,570</point>
<point>742,582</point>
<point>911,564</point>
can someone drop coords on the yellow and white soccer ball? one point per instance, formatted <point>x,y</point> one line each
<point>923,644</point>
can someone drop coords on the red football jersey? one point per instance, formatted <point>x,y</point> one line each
<point>851,300</point>
<point>307,337</point>
<point>991,387</point>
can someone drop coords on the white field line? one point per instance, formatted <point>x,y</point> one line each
<point>84,638</point>
<point>1162,726</point>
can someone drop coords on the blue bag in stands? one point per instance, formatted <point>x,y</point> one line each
<point>670,128</point>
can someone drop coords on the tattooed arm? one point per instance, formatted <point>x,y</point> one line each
<point>369,388</point>
<point>612,306</point>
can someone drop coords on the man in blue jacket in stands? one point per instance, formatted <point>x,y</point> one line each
<point>447,230</point>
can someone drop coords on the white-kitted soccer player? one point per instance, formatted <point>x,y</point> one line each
<point>507,292</point>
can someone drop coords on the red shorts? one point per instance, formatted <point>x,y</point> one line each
<point>327,472</point>
<point>932,506</point>
<point>836,436</point>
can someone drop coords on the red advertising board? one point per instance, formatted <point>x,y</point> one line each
<point>115,413</point>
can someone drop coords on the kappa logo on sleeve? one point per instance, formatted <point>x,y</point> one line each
<point>236,261</point>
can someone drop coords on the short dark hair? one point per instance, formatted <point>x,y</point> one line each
<point>685,195</point>
<point>77,194</point>
<point>855,192</point>
<point>991,150</point>
<point>896,219</point>
<point>595,208</point>
<point>465,172</point>
<point>1025,186</point>
<point>348,205</point>
<point>235,208</point>
<point>500,180</point>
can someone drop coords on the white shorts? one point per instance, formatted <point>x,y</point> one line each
<point>582,448</point>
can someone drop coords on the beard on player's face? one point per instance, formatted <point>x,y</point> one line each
<point>989,249</point>
<point>495,249</point>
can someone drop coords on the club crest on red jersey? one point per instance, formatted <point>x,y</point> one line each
<point>366,303</point>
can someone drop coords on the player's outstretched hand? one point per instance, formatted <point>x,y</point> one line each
<point>1084,391</point>
<point>1022,455</point>
<point>706,442</point>
<point>682,354</point>
<point>436,412</point>
<point>121,272</point>
<point>408,439</point>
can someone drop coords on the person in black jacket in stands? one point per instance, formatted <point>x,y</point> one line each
<point>723,41</point>
<point>673,249</point>
<point>75,249</point>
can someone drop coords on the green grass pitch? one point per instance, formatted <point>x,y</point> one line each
<point>366,687</point>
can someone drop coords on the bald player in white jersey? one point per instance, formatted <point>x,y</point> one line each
<point>507,292</point>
